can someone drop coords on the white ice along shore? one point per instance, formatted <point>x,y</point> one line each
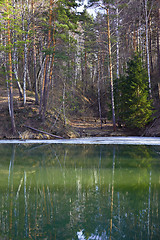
<point>93,140</point>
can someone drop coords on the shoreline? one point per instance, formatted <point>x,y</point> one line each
<point>90,140</point>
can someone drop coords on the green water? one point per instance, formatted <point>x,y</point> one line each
<point>79,192</point>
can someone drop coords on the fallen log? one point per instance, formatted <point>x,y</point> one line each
<point>37,130</point>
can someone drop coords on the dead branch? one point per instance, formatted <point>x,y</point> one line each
<point>37,130</point>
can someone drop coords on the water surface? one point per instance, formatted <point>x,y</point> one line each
<point>79,191</point>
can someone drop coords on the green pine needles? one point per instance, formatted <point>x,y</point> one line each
<point>133,105</point>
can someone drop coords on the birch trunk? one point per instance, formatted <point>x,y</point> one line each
<point>45,79</point>
<point>150,45</point>
<point>25,57</point>
<point>117,35</point>
<point>99,92</point>
<point>64,111</point>
<point>147,49</point>
<point>85,72</point>
<point>14,59</point>
<point>34,57</point>
<point>111,72</point>
<point>25,73</point>
<point>139,40</point>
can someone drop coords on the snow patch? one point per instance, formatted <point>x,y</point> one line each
<point>92,140</point>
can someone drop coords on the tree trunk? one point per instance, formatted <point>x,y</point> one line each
<point>25,37</point>
<point>10,72</point>
<point>14,59</point>
<point>34,57</point>
<point>44,85</point>
<point>64,93</point>
<point>41,74</point>
<point>85,72</point>
<point>46,89</point>
<point>99,91</point>
<point>25,57</point>
<point>45,76</point>
<point>49,83</point>
<point>117,36</point>
<point>25,73</point>
<point>8,91</point>
<point>150,46</point>
<point>111,73</point>
<point>82,73</point>
<point>50,72</point>
<point>147,50</point>
<point>158,42</point>
<point>139,35</point>
<point>29,79</point>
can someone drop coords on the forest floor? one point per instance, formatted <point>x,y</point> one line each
<point>27,117</point>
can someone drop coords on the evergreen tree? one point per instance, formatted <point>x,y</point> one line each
<point>134,105</point>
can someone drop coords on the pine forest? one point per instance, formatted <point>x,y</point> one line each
<point>66,63</point>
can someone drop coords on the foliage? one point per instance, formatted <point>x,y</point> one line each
<point>133,104</point>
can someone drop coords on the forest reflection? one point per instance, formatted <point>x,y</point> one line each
<point>79,192</point>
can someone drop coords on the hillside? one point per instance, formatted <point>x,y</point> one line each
<point>28,117</point>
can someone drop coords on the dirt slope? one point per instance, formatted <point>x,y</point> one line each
<point>76,127</point>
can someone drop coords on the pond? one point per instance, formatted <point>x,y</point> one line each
<point>65,191</point>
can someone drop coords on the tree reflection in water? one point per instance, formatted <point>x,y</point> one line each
<point>79,192</point>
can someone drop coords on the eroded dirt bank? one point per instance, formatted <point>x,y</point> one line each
<point>27,119</point>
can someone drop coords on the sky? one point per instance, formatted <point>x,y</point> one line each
<point>91,10</point>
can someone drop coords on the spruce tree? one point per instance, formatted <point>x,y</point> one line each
<point>134,104</point>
